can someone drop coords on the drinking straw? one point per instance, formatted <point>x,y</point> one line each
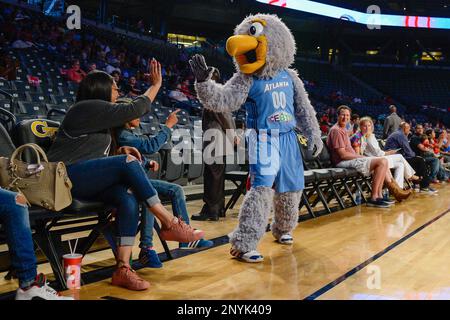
<point>75,247</point>
<point>70,246</point>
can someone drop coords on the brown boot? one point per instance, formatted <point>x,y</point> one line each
<point>398,193</point>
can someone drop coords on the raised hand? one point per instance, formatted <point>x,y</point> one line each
<point>155,73</point>
<point>200,69</point>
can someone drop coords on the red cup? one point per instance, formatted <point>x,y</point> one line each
<point>72,270</point>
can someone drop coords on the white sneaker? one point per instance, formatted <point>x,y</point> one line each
<point>250,257</point>
<point>286,239</point>
<point>40,291</point>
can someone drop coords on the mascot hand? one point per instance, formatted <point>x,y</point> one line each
<point>315,145</point>
<point>199,68</point>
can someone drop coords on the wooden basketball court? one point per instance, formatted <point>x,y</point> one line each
<point>357,253</point>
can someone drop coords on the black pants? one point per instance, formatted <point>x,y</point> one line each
<point>420,166</point>
<point>214,189</point>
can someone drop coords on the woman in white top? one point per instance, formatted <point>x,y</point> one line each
<point>368,146</point>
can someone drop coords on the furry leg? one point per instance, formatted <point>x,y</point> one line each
<point>253,218</point>
<point>286,213</point>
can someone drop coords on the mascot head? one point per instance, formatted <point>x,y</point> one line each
<point>262,45</point>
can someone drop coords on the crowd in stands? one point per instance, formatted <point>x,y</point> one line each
<point>84,52</point>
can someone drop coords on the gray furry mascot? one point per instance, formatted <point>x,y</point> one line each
<point>276,104</point>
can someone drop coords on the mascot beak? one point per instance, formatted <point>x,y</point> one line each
<point>249,52</point>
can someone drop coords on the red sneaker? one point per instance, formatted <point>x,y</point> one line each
<point>181,232</point>
<point>128,278</point>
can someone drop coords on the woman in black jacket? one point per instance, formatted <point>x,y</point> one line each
<point>83,142</point>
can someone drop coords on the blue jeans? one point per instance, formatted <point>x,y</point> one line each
<point>433,164</point>
<point>176,195</point>
<point>442,174</point>
<point>16,223</point>
<point>119,181</point>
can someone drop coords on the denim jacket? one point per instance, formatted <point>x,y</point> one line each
<point>145,144</point>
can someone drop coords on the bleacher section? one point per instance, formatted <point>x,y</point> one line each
<point>330,87</point>
<point>415,87</point>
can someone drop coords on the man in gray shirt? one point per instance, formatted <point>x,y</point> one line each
<point>392,122</point>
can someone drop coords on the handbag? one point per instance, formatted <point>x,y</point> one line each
<point>45,184</point>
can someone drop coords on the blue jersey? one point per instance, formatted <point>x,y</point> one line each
<point>275,158</point>
<point>270,104</point>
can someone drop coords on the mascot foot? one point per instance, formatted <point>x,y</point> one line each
<point>250,257</point>
<point>286,239</point>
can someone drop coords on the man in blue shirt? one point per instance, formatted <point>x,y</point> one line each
<point>399,140</point>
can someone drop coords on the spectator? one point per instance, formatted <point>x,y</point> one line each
<point>354,123</point>
<point>131,89</point>
<point>8,67</point>
<point>215,153</point>
<point>119,82</point>
<point>324,124</point>
<point>83,143</point>
<point>417,145</point>
<point>343,156</point>
<point>91,67</point>
<point>392,122</point>
<point>435,145</point>
<point>15,221</point>
<point>399,140</point>
<point>21,43</point>
<point>365,143</point>
<point>113,66</point>
<point>180,99</point>
<point>75,73</point>
<point>445,148</point>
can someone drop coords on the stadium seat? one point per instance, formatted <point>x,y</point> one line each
<point>6,145</point>
<point>38,131</point>
<point>31,110</point>
<point>37,97</point>
<point>196,166</point>
<point>63,101</point>
<point>7,119</point>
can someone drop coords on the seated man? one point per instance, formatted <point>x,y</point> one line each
<point>14,216</point>
<point>180,99</point>
<point>399,140</point>
<point>344,156</point>
<point>425,152</point>
<point>146,145</point>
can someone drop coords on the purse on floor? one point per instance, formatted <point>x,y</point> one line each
<point>45,184</point>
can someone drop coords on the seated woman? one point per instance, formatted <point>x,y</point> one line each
<point>15,220</point>
<point>146,145</point>
<point>83,143</point>
<point>365,143</point>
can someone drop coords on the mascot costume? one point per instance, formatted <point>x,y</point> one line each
<point>277,105</point>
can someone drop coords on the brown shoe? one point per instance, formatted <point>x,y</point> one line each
<point>398,193</point>
<point>180,231</point>
<point>126,277</point>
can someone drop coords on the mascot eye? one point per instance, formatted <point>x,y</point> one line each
<point>256,29</point>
